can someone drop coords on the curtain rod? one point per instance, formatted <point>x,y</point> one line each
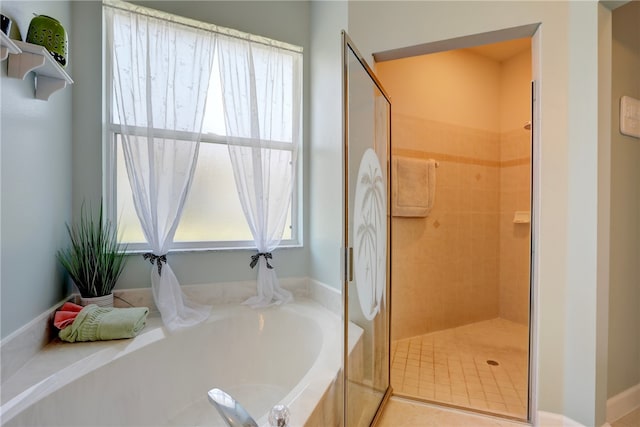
<point>165,16</point>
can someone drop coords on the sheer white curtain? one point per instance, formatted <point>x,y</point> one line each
<point>161,75</point>
<point>261,87</point>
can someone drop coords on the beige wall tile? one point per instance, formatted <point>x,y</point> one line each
<point>467,261</point>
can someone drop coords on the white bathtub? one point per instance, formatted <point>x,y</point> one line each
<point>289,355</point>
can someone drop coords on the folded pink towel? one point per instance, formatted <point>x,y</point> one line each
<point>66,315</point>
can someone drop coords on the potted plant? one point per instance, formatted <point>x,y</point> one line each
<point>94,258</point>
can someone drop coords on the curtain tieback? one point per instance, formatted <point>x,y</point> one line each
<point>153,258</point>
<point>267,256</point>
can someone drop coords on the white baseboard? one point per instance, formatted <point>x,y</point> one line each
<point>621,404</point>
<point>550,419</point>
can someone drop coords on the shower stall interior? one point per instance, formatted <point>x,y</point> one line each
<point>461,273</point>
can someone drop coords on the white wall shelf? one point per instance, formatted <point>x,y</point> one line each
<point>50,76</point>
<point>7,46</point>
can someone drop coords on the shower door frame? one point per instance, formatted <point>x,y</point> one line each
<point>347,251</point>
<point>533,31</point>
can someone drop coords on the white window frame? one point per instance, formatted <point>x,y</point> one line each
<point>111,130</point>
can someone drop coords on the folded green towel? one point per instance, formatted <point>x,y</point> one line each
<point>95,323</point>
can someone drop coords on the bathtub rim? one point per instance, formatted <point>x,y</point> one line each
<point>21,346</point>
<point>311,387</point>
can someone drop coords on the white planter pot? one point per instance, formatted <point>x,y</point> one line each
<point>103,301</point>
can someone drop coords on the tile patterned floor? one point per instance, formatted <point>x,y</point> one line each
<point>450,367</point>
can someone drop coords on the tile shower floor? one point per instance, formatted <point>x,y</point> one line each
<point>481,366</point>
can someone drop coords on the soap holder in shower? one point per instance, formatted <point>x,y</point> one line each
<point>522,217</point>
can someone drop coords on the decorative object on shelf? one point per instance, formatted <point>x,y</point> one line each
<point>5,24</point>
<point>49,33</point>
<point>94,259</point>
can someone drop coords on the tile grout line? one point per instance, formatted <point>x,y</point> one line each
<point>447,354</point>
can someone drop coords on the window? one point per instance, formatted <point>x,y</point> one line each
<point>213,217</point>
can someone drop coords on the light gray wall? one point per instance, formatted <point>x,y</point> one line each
<point>86,41</point>
<point>36,182</point>
<point>624,297</point>
<point>329,18</point>
<point>586,312</point>
<point>52,159</point>
<point>281,20</point>
<point>569,351</point>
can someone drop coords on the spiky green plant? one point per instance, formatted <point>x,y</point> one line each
<point>94,258</point>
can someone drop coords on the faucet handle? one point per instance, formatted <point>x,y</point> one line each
<point>279,416</point>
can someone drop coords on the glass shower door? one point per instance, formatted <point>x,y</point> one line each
<point>367,149</point>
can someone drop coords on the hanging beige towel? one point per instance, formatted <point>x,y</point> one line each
<point>413,186</point>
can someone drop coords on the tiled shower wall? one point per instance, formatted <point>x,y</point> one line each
<point>446,267</point>
<point>468,260</point>
<point>515,195</point>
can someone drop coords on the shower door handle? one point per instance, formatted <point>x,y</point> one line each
<point>348,262</point>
